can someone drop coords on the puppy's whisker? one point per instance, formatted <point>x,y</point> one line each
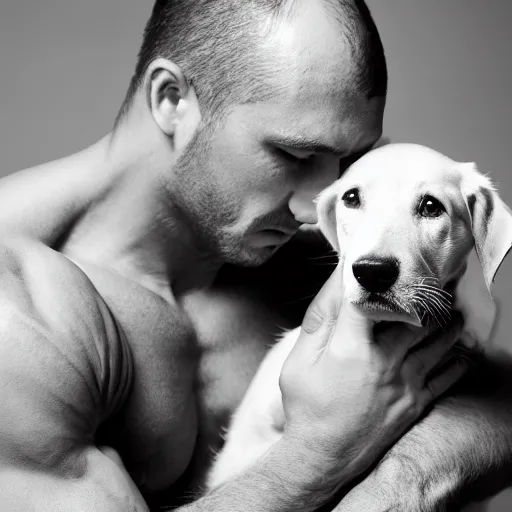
<point>416,313</point>
<point>423,304</point>
<point>425,310</point>
<point>441,300</point>
<point>408,308</point>
<point>430,313</point>
<point>440,308</point>
<point>433,308</point>
<point>436,299</point>
<point>429,278</point>
<point>404,305</point>
<point>424,279</point>
<point>436,290</point>
<point>433,288</point>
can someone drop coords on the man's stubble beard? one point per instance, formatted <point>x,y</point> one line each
<point>204,209</point>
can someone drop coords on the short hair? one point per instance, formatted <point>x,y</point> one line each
<point>215,43</point>
<point>362,35</point>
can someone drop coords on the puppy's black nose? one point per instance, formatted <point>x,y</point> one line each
<point>376,275</point>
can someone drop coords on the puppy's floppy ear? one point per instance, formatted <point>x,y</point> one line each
<point>326,211</point>
<point>491,221</point>
<point>473,299</point>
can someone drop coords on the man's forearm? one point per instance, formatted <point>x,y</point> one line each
<point>284,480</point>
<point>460,452</point>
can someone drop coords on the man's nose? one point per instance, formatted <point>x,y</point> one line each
<point>303,208</point>
<point>302,203</point>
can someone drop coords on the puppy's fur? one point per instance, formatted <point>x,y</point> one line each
<point>446,232</point>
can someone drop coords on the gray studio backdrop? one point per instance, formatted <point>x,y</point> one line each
<point>65,66</point>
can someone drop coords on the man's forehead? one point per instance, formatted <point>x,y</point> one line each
<point>330,138</point>
<point>319,127</point>
<point>314,128</point>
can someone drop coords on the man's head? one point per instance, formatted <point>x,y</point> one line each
<point>259,102</point>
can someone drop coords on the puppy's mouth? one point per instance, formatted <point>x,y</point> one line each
<point>377,302</point>
<point>420,303</point>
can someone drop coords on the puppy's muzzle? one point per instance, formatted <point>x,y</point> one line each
<point>376,275</point>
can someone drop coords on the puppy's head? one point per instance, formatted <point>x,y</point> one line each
<point>404,219</point>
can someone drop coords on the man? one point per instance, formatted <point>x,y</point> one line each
<point>235,119</point>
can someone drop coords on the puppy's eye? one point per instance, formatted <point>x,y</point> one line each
<point>351,198</point>
<point>430,207</point>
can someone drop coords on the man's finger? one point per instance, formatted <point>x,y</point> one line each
<point>397,338</point>
<point>425,356</point>
<point>351,333</point>
<point>444,378</point>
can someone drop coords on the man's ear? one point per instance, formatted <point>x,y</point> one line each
<point>326,212</point>
<point>491,221</point>
<point>171,98</point>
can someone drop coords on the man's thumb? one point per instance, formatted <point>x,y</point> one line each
<point>351,331</point>
<point>321,315</point>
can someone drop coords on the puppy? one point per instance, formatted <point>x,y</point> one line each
<point>417,234</point>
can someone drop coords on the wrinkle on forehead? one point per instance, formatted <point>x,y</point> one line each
<point>349,133</point>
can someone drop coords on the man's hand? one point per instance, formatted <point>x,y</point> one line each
<point>350,393</point>
<point>461,452</point>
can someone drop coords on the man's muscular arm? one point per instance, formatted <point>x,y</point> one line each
<point>286,479</point>
<point>62,374</point>
<point>460,452</point>
<point>62,371</point>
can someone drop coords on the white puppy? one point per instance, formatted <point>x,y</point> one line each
<point>404,220</point>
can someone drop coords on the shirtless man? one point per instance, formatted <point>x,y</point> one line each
<point>237,116</point>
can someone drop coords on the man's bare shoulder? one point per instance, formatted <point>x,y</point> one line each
<point>43,284</point>
<point>32,271</point>
<point>57,353</point>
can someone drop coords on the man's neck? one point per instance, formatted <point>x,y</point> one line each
<point>130,227</point>
<point>107,205</point>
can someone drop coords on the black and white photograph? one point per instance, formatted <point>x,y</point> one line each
<point>255,256</point>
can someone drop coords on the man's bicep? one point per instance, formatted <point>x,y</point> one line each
<point>50,406</point>
<point>93,482</point>
<point>62,365</point>
<point>49,400</point>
